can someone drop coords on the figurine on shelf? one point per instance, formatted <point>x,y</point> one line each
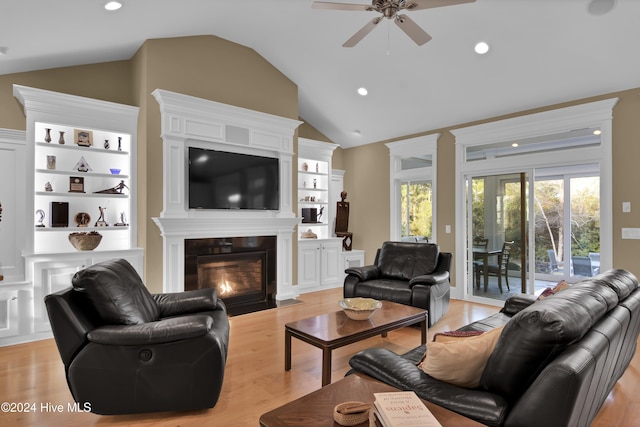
<point>320,212</point>
<point>106,144</point>
<point>119,143</point>
<point>40,214</point>
<point>82,165</point>
<point>101,222</point>
<point>114,190</point>
<point>48,187</point>
<point>123,220</point>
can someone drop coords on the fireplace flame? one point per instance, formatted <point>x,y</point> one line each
<point>225,288</point>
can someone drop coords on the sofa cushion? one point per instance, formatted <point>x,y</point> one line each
<point>538,333</point>
<point>117,293</point>
<point>403,260</point>
<point>459,360</point>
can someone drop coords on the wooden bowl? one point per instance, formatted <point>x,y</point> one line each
<point>359,308</point>
<point>349,419</point>
<point>85,241</point>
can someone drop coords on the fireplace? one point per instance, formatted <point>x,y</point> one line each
<point>241,269</point>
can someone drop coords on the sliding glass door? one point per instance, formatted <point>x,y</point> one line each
<point>497,244</point>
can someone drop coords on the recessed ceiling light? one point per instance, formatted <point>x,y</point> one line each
<point>113,5</point>
<point>597,132</point>
<point>363,91</point>
<point>481,48</point>
<point>515,144</point>
<point>3,50</point>
<point>600,7</point>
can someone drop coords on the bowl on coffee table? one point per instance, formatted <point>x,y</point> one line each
<point>359,308</point>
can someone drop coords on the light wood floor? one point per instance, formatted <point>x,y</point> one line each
<point>255,381</point>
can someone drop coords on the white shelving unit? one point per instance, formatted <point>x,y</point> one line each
<point>50,261</point>
<point>319,258</point>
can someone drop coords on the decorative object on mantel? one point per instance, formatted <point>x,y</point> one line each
<point>342,222</point>
<point>101,222</point>
<point>84,138</point>
<point>351,413</point>
<point>114,190</point>
<point>308,234</point>
<point>61,138</point>
<point>40,214</point>
<point>84,241</point>
<point>47,135</point>
<point>82,165</point>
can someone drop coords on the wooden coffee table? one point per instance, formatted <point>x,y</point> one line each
<point>335,330</point>
<point>316,409</point>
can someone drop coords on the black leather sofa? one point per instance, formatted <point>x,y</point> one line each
<point>554,364</point>
<point>127,351</point>
<point>415,274</point>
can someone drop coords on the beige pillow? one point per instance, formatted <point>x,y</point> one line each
<point>460,361</point>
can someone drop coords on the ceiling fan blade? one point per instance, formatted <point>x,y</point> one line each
<point>339,6</point>
<point>429,4</point>
<point>412,29</point>
<point>355,39</point>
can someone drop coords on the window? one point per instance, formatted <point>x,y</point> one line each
<point>413,172</point>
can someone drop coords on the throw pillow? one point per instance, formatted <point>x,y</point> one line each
<point>460,361</point>
<point>562,285</point>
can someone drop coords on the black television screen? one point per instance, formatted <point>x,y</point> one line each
<point>223,180</point>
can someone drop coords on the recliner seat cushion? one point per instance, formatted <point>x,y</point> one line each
<point>386,289</point>
<point>117,293</point>
<point>404,261</point>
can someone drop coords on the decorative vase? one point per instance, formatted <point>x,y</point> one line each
<point>61,139</point>
<point>47,136</point>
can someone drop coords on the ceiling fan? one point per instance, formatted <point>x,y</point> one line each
<point>389,9</point>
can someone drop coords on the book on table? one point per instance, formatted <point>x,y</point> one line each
<point>402,409</point>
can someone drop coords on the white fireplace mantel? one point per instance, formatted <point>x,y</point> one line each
<point>188,121</point>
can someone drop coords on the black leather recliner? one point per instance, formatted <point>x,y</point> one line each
<point>128,351</point>
<point>415,274</point>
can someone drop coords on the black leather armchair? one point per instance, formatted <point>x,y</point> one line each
<point>128,351</point>
<point>415,274</point>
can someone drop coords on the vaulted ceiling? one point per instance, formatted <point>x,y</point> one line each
<point>541,52</point>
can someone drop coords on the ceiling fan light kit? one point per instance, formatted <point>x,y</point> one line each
<point>389,9</point>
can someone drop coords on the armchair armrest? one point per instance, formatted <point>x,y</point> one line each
<point>368,272</point>
<point>194,301</point>
<point>430,279</point>
<point>517,303</point>
<point>162,331</point>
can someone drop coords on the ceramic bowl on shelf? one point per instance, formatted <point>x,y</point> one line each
<point>115,171</point>
<point>85,241</point>
<point>359,308</point>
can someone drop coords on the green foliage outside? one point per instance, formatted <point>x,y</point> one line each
<point>548,216</point>
<point>417,209</point>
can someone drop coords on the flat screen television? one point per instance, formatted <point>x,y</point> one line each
<point>223,180</point>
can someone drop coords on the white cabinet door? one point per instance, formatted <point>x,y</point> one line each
<point>331,263</point>
<point>308,264</point>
